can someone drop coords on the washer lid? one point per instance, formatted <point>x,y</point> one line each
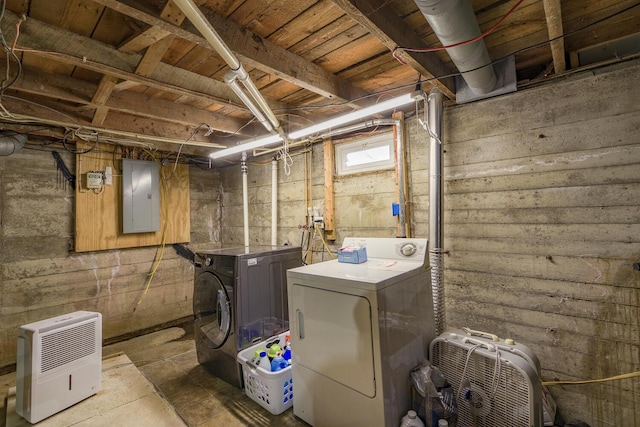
<point>212,310</point>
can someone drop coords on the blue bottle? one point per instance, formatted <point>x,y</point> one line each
<point>278,362</point>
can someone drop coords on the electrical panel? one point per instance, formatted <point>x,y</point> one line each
<point>140,196</point>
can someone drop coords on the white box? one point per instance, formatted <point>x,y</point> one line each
<point>59,363</point>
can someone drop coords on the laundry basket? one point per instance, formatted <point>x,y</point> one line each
<point>271,390</point>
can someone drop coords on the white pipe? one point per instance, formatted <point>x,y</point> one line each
<point>274,202</point>
<point>454,21</point>
<point>195,15</point>
<point>231,79</point>
<point>245,197</point>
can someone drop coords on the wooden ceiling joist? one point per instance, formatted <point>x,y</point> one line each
<point>553,13</point>
<point>380,20</point>
<point>251,49</point>
<point>71,90</point>
<point>39,38</point>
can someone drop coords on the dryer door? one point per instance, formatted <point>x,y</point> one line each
<point>212,310</point>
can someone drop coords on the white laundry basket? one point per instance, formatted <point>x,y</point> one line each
<point>271,390</point>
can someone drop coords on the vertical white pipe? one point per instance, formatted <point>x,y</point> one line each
<point>245,197</point>
<point>434,127</point>
<point>274,202</point>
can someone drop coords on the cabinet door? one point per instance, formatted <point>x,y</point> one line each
<point>332,336</point>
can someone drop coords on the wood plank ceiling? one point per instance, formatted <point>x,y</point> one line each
<point>137,70</point>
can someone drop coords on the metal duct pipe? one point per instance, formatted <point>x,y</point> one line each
<point>434,127</point>
<point>11,142</point>
<point>245,197</point>
<point>454,21</point>
<point>274,202</point>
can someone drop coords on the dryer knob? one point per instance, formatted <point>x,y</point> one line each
<point>408,249</point>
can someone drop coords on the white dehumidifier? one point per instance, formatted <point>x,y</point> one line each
<point>59,363</point>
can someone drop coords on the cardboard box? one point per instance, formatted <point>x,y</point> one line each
<point>352,255</point>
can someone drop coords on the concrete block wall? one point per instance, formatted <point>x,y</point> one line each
<point>41,278</point>
<point>541,225</point>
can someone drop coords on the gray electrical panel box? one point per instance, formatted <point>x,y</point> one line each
<point>140,196</point>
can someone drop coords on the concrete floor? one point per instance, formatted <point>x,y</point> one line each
<point>168,360</point>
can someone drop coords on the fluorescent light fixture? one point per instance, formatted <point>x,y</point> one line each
<point>249,145</point>
<point>338,121</point>
<point>350,117</point>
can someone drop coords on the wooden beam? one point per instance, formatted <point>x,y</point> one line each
<point>102,93</point>
<point>153,56</point>
<point>138,42</point>
<point>553,13</point>
<point>75,91</point>
<point>70,48</point>
<point>251,49</point>
<point>329,199</point>
<point>405,173</point>
<point>379,18</point>
<point>124,128</point>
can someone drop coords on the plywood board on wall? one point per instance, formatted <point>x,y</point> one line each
<point>98,222</point>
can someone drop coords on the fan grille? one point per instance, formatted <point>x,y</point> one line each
<point>489,395</point>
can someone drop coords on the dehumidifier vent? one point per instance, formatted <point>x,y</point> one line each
<point>494,385</point>
<point>59,363</point>
<point>67,345</point>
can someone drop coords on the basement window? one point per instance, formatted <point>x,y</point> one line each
<point>365,155</point>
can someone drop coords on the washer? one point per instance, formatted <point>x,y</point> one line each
<point>357,331</point>
<point>240,298</point>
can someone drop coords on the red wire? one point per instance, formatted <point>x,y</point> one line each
<point>473,40</point>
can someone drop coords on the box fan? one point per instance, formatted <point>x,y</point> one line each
<point>496,382</point>
<point>59,363</point>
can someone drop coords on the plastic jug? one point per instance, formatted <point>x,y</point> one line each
<point>278,362</point>
<point>264,362</point>
<point>411,420</point>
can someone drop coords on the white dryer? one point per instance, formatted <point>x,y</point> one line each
<point>357,331</point>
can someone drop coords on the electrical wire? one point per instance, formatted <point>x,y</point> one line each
<point>445,76</point>
<point>316,226</point>
<point>75,151</point>
<point>160,251</point>
<point>463,43</point>
<point>600,380</point>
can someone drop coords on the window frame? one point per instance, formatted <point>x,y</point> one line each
<point>379,140</point>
